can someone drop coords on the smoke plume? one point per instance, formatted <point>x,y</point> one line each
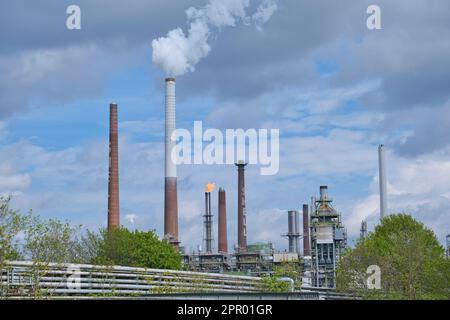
<point>178,53</point>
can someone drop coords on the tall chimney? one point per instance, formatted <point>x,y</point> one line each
<point>306,243</point>
<point>170,188</point>
<point>382,181</point>
<point>293,232</point>
<point>223,241</point>
<point>113,180</point>
<point>242,214</point>
<point>208,223</point>
<point>297,232</point>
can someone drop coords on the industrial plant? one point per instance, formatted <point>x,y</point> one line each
<point>323,235</point>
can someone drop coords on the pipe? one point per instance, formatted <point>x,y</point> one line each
<point>382,181</point>
<point>113,180</point>
<point>222,237</point>
<point>170,187</point>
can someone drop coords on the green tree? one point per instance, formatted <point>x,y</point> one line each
<point>276,283</point>
<point>51,241</point>
<point>410,258</point>
<point>136,249</point>
<point>11,225</point>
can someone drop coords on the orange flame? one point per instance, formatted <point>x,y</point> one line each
<point>210,187</point>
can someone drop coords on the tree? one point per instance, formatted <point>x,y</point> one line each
<point>136,249</point>
<point>52,241</point>
<point>410,258</point>
<point>11,224</point>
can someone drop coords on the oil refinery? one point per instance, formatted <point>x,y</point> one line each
<point>314,248</point>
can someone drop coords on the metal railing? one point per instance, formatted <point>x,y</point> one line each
<point>25,278</point>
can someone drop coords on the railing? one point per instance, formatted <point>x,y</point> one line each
<point>25,278</point>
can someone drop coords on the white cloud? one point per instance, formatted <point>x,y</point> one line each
<point>130,218</point>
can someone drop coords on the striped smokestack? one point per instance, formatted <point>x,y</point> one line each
<point>113,180</point>
<point>242,215</point>
<point>223,241</point>
<point>170,189</point>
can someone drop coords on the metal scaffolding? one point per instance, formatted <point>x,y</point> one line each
<point>328,241</point>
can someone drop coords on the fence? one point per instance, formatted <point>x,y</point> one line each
<point>25,278</point>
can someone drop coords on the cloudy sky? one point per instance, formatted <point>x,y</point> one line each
<point>310,68</point>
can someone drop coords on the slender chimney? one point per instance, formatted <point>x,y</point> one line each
<point>306,243</point>
<point>170,188</point>
<point>208,223</point>
<point>293,233</point>
<point>242,215</point>
<point>382,181</point>
<point>297,232</point>
<point>113,180</point>
<point>223,242</point>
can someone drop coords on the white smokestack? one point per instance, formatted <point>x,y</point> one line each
<point>382,181</point>
<point>171,168</point>
<point>170,187</point>
<point>178,53</point>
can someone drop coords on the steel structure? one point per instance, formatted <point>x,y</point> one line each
<point>50,279</point>
<point>207,224</point>
<point>363,230</point>
<point>328,240</point>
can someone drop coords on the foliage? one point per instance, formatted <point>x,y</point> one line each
<point>136,249</point>
<point>11,224</point>
<point>273,284</point>
<point>288,269</point>
<point>51,241</point>
<point>411,260</point>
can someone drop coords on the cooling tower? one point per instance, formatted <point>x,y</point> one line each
<point>170,188</point>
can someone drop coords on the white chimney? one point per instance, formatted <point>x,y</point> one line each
<point>382,181</point>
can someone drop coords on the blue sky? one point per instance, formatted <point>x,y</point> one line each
<point>333,88</point>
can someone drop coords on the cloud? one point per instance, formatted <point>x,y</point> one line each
<point>178,53</point>
<point>388,86</point>
<point>130,218</point>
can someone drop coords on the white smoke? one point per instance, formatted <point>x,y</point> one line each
<point>178,53</point>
